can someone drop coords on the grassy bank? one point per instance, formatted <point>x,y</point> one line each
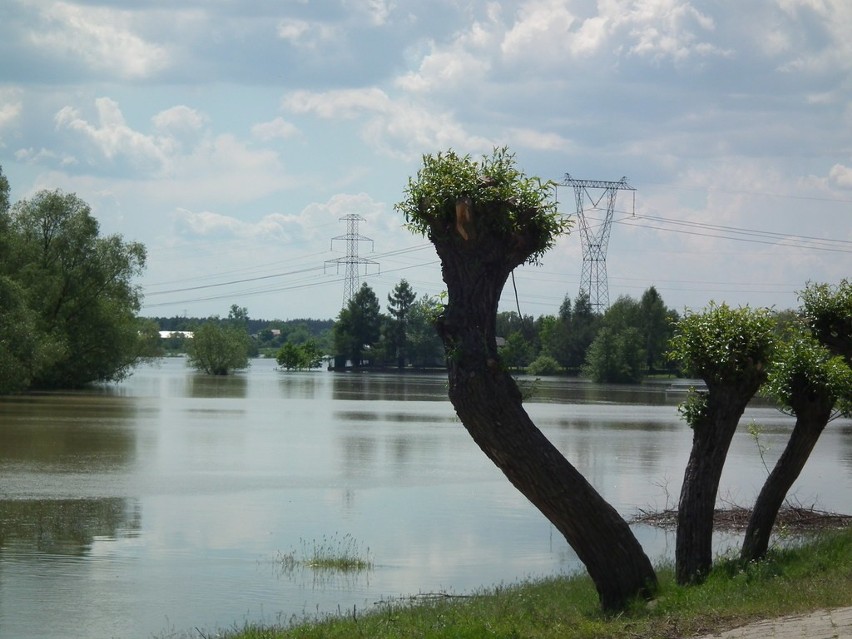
<point>800,579</point>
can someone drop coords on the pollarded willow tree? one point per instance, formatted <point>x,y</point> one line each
<point>810,383</point>
<point>812,380</point>
<point>730,349</point>
<point>485,218</point>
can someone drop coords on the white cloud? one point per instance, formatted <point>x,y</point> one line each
<point>100,37</point>
<point>398,128</point>
<point>277,128</point>
<point>542,27</point>
<point>304,34</point>
<point>826,47</point>
<point>377,11</point>
<point>179,118</point>
<point>318,219</point>
<point>340,104</point>
<point>112,137</point>
<point>670,29</point>
<point>446,70</point>
<point>41,156</point>
<point>539,140</point>
<point>841,176</point>
<point>10,106</point>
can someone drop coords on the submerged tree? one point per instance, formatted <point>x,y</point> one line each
<point>485,218</point>
<point>730,350</point>
<point>219,348</point>
<point>400,301</point>
<point>358,326</point>
<point>75,287</point>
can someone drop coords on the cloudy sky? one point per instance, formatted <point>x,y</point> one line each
<point>231,137</point>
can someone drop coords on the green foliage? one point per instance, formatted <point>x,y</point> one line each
<point>544,365</point>
<point>804,368</point>
<point>615,356</point>
<point>516,352</point>
<point>693,409</point>
<point>20,351</point>
<point>77,290</point>
<point>827,310</point>
<point>358,327</point>
<point>568,337</point>
<point>400,302</point>
<point>725,346</point>
<point>299,356</point>
<point>4,193</point>
<point>218,348</point>
<point>517,204</point>
<point>425,347</point>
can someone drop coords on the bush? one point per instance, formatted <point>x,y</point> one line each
<point>544,365</point>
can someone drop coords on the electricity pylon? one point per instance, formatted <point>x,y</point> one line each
<point>351,261</point>
<point>595,240</point>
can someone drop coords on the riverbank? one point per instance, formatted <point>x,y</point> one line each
<point>793,581</point>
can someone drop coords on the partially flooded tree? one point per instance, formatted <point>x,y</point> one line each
<point>730,350</point>
<point>486,218</point>
<point>812,380</point>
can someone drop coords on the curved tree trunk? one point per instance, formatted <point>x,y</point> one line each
<point>812,414</point>
<point>475,267</point>
<point>711,440</point>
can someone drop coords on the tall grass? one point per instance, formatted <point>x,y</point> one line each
<point>332,553</point>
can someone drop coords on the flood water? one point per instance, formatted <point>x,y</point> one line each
<point>163,504</point>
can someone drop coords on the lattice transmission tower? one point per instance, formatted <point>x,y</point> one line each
<point>594,234</point>
<point>351,261</point>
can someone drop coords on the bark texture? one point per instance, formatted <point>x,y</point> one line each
<point>813,410</point>
<point>711,439</point>
<point>477,257</point>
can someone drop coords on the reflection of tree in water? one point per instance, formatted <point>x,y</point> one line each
<point>846,438</point>
<point>203,386</point>
<point>67,430</point>
<point>65,526</point>
<point>386,386</point>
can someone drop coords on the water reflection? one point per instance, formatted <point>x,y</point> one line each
<point>160,503</point>
<point>403,387</point>
<point>66,430</point>
<point>207,386</point>
<point>65,526</point>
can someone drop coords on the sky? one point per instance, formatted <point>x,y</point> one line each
<point>232,138</point>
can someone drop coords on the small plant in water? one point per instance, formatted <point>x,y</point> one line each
<point>332,553</point>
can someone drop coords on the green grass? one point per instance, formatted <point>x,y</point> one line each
<point>334,553</point>
<point>791,580</point>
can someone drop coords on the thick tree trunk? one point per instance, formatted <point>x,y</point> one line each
<point>711,440</point>
<point>812,414</point>
<point>488,402</point>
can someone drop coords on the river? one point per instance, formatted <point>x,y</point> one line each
<point>165,503</point>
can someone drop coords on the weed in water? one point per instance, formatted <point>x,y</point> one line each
<point>332,553</point>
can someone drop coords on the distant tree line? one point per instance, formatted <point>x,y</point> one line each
<point>624,344</point>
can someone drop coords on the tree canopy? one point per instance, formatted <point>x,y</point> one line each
<point>219,347</point>
<point>71,290</point>
<point>730,349</point>
<point>358,327</point>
